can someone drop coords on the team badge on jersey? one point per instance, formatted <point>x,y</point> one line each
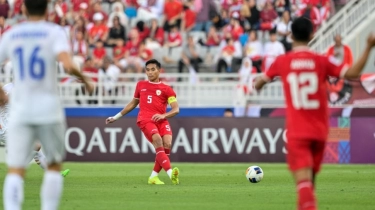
<point>158,92</point>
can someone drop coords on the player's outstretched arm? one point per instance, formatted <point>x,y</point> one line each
<point>173,112</point>
<point>3,97</point>
<point>128,108</point>
<point>72,69</point>
<point>355,71</point>
<point>260,82</point>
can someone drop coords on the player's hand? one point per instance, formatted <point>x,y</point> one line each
<point>158,117</point>
<point>90,87</point>
<point>109,120</point>
<point>371,40</point>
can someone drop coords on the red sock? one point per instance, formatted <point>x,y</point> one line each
<point>163,159</point>
<point>306,198</point>
<point>157,166</point>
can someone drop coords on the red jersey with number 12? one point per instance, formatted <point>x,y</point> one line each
<point>153,99</point>
<point>304,74</point>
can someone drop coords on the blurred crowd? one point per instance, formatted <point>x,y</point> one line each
<point>114,36</point>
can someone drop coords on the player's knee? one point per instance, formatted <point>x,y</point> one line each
<point>38,146</point>
<point>54,167</point>
<point>19,171</point>
<point>157,141</point>
<point>167,145</point>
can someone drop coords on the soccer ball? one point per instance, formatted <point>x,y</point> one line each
<point>254,174</point>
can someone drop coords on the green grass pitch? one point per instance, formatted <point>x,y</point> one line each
<point>110,186</point>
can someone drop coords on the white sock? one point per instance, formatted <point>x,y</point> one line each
<point>42,159</point>
<point>154,173</point>
<point>51,190</point>
<point>169,172</point>
<point>13,192</point>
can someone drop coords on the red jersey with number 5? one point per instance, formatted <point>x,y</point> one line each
<point>153,99</point>
<point>304,74</point>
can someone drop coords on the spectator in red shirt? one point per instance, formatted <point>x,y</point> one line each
<point>132,45</point>
<point>99,53</point>
<point>77,4</point>
<point>83,10</point>
<point>172,12</point>
<point>99,31</point>
<point>4,9</point>
<point>61,8</point>
<point>156,32</point>
<point>119,52</point>
<point>311,12</point>
<point>188,19</point>
<point>80,47</point>
<point>234,28</point>
<point>143,30</point>
<point>267,17</point>
<point>97,8</point>
<point>17,7</point>
<point>174,38</point>
<point>144,53</point>
<point>213,38</point>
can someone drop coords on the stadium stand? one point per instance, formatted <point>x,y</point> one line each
<point>127,33</point>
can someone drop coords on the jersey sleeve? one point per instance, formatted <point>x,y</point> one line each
<point>273,71</point>
<point>61,43</point>
<point>137,94</point>
<point>334,68</point>
<point>171,95</point>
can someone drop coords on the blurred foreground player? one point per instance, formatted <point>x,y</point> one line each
<point>153,98</point>
<point>304,75</point>
<point>35,111</point>
<point>38,155</point>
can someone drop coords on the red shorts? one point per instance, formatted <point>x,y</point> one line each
<point>150,128</point>
<point>305,153</point>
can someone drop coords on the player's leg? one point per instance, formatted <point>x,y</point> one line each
<point>318,154</point>
<point>167,143</point>
<point>51,137</point>
<point>300,163</point>
<point>19,145</point>
<point>163,129</point>
<point>161,157</point>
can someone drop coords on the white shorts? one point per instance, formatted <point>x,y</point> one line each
<point>22,138</point>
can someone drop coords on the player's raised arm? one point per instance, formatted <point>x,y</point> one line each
<point>128,108</point>
<point>263,79</point>
<point>355,71</point>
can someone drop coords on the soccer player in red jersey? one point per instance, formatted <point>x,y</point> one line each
<point>304,75</point>
<point>153,98</point>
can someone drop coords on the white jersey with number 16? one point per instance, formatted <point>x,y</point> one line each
<point>32,47</point>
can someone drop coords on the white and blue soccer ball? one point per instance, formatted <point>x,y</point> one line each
<point>254,174</point>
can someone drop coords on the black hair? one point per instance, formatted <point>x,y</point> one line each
<point>36,7</point>
<point>228,110</point>
<point>302,28</point>
<point>273,31</point>
<point>153,61</point>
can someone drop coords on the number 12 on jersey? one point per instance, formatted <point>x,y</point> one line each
<point>32,61</point>
<point>301,86</point>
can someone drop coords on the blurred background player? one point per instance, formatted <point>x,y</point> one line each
<point>153,97</point>
<point>39,157</point>
<point>304,75</point>
<point>36,112</point>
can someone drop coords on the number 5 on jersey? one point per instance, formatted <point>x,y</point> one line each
<point>149,99</point>
<point>301,87</point>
